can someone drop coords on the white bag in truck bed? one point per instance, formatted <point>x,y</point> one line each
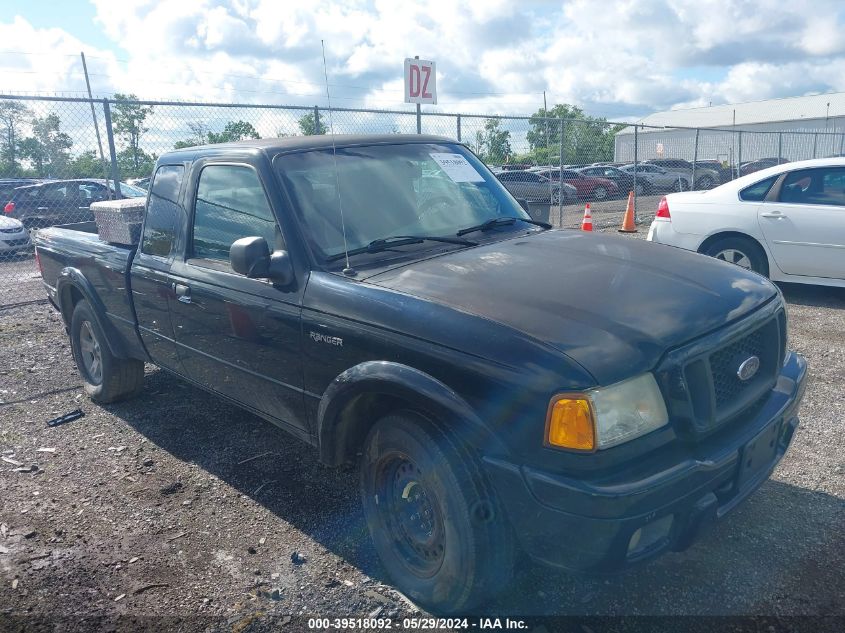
<point>119,221</point>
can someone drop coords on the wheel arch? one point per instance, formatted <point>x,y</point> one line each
<point>71,288</point>
<point>363,394</point>
<point>715,237</point>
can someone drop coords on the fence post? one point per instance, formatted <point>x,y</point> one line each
<point>316,120</point>
<point>636,215</point>
<point>780,146</point>
<point>739,155</point>
<point>459,128</point>
<point>815,142</point>
<point>694,159</point>
<point>115,172</point>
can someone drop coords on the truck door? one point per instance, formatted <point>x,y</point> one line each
<point>152,293</point>
<point>238,336</point>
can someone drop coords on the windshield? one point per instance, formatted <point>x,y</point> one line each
<point>130,191</point>
<point>389,190</point>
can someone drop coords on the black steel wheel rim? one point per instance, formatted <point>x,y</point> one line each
<point>411,513</point>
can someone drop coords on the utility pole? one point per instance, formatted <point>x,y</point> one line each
<point>94,116</point>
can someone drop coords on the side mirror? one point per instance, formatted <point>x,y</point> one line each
<point>523,203</point>
<point>251,257</point>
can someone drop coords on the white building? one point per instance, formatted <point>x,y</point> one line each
<point>795,128</point>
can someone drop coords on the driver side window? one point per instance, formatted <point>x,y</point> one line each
<point>230,204</point>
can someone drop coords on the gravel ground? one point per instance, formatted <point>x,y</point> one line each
<point>176,504</point>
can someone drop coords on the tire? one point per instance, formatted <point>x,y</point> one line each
<point>413,474</point>
<point>105,377</point>
<point>706,182</point>
<point>599,193</point>
<point>740,251</point>
<point>641,189</point>
<point>556,197</point>
<point>680,185</point>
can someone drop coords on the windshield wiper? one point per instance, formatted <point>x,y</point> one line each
<point>399,240</point>
<point>501,221</point>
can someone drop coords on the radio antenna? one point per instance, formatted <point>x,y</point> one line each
<point>348,271</point>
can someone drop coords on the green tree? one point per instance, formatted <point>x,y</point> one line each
<point>128,117</point>
<point>234,131</point>
<point>492,143</point>
<point>310,126</point>
<point>135,164</point>
<point>86,165</point>
<point>48,146</point>
<point>566,129</point>
<point>200,136</point>
<point>12,115</point>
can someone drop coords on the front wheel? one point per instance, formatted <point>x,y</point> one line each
<point>105,377</point>
<point>741,252</point>
<point>599,193</point>
<point>434,519</point>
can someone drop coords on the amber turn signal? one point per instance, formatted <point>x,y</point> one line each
<point>570,424</point>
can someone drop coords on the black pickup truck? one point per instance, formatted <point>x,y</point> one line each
<point>592,400</point>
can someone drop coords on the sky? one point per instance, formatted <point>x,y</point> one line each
<point>619,59</point>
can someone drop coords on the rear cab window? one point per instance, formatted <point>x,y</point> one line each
<point>163,206</point>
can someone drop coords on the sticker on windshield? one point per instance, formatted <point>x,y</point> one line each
<point>457,167</point>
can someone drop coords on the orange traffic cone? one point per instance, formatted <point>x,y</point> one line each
<point>587,222</point>
<point>628,223</point>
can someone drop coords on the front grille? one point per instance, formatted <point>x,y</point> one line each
<point>700,382</point>
<point>11,230</point>
<point>724,365</point>
<point>16,242</point>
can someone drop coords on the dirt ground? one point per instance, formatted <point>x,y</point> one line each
<point>176,505</point>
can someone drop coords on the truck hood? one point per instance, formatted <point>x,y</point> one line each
<point>613,305</point>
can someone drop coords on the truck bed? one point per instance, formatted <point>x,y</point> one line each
<point>76,251</point>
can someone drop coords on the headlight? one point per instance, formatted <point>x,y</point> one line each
<point>606,416</point>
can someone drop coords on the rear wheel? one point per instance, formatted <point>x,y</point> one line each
<point>433,517</point>
<point>105,377</point>
<point>740,251</point>
<point>680,185</point>
<point>599,193</point>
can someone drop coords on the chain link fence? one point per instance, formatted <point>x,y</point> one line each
<point>58,155</point>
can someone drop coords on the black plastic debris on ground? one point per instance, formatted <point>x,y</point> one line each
<point>67,417</point>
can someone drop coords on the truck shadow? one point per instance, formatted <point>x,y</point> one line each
<point>814,296</point>
<point>780,552</point>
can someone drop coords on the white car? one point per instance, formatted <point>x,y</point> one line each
<point>14,238</point>
<point>786,222</point>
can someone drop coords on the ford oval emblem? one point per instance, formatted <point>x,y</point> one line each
<point>748,368</point>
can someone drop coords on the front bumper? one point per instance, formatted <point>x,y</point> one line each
<point>15,242</point>
<point>616,521</point>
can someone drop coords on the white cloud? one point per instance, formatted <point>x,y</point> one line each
<point>617,58</point>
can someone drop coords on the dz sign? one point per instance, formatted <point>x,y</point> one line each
<point>420,81</point>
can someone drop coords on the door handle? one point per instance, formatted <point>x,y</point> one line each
<point>773,214</point>
<point>183,293</point>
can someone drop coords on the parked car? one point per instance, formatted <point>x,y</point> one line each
<point>488,414</point>
<point>534,187</point>
<point>761,163</point>
<point>726,171</point>
<point>62,201</point>
<point>14,238</point>
<point>704,178</point>
<point>786,222</point>
<point>8,186</point>
<point>623,180</point>
<point>141,183</point>
<point>586,187</point>
<point>656,179</point>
